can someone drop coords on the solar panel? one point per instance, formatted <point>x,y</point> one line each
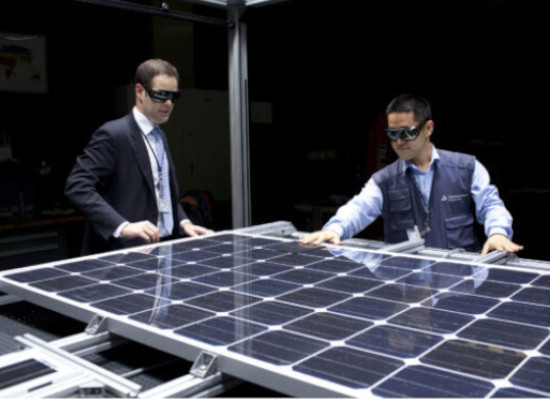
<point>316,321</point>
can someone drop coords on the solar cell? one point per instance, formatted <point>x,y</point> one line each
<point>81,266</point>
<point>127,304</point>
<point>172,316</point>
<point>94,293</point>
<point>220,331</point>
<point>432,320</point>
<point>263,268</point>
<point>313,297</point>
<point>534,374</point>
<point>334,320</point>
<point>463,303</point>
<point>406,262</point>
<point>279,347</point>
<point>395,341</point>
<point>335,265</point>
<point>271,313</point>
<point>62,283</point>
<point>266,287</point>
<point>507,334</point>
<point>522,313</point>
<point>421,381</point>
<point>534,295</point>
<point>474,359</point>
<point>111,273</point>
<point>370,308</point>
<point>515,393</point>
<point>543,281</point>
<point>487,288</point>
<point>328,326</point>
<point>349,284</point>
<point>349,367</point>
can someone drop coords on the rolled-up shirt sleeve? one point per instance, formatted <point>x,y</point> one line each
<point>490,209</point>
<point>358,213</point>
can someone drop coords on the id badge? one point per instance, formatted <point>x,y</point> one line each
<point>164,205</point>
<point>413,233</point>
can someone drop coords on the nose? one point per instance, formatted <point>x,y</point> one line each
<point>169,102</point>
<point>399,141</point>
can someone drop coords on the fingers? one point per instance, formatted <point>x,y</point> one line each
<point>485,249</point>
<point>143,229</point>
<point>317,238</point>
<point>191,229</point>
<point>203,231</point>
<point>151,234</point>
<point>510,247</point>
<point>500,243</point>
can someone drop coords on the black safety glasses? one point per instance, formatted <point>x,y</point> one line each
<point>160,96</point>
<point>407,133</point>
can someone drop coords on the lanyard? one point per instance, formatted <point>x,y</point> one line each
<point>159,165</point>
<point>424,203</point>
<point>160,186</point>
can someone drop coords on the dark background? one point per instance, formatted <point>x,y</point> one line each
<point>328,68</point>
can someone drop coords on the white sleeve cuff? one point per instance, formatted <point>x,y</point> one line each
<point>498,231</point>
<point>118,230</point>
<point>336,229</point>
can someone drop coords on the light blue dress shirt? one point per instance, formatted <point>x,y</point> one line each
<point>147,127</point>
<point>365,207</point>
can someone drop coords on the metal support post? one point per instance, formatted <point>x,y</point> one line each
<point>238,115</point>
<point>118,385</point>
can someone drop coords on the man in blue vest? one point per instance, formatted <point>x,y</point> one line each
<point>429,193</point>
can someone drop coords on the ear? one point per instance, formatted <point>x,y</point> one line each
<point>139,91</point>
<point>429,127</point>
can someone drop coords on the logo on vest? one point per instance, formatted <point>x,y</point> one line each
<point>454,197</point>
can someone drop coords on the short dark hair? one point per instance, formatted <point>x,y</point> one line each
<point>147,70</point>
<point>408,102</point>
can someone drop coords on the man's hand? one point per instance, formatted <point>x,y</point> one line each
<point>500,243</point>
<point>191,229</point>
<point>143,229</point>
<point>316,238</point>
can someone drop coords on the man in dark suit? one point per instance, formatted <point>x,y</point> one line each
<point>125,182</point>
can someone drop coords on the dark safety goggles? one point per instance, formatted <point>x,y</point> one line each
<point>160,96</point>
<point>407,133</point>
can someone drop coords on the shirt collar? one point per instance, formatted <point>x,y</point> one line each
<point>143,122</point>
<point>405,165</point>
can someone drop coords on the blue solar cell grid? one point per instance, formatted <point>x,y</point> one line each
<point>354,322</point>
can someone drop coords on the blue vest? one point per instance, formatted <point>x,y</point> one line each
<point>451,208</point>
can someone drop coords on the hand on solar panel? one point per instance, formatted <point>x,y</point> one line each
<point>143,229</point>
<point>319,237</point>
<point>500,243</point>
<point>191,229</point>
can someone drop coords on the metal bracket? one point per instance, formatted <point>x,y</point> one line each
<point>97,324</point>
<point>513,258</point>
<point>205,365</point>
<point>493,257</point>
<point>92,390</point>
<point>408,246</point>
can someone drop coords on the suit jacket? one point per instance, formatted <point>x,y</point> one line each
<point>112,182</point>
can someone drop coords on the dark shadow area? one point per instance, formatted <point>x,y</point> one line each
<point>327,69</point>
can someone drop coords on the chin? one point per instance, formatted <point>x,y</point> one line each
<point>404,156</point>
